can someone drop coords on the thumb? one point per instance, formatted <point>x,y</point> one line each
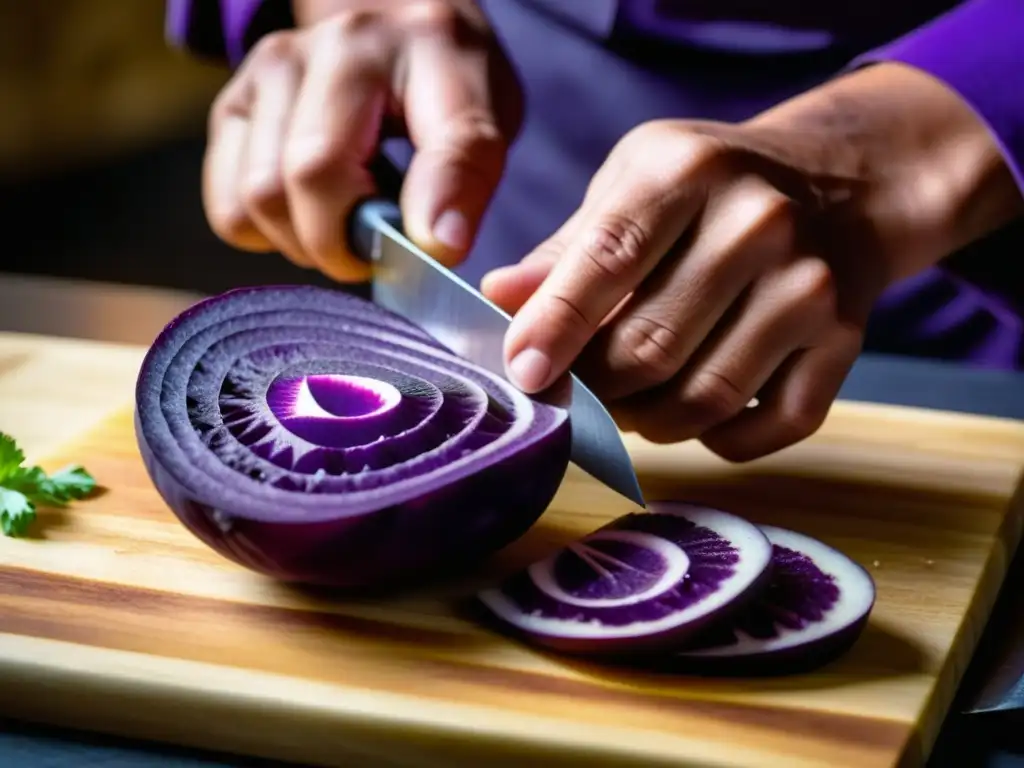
<point>460,149</point>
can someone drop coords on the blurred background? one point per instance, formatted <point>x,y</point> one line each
<point>101,144</point>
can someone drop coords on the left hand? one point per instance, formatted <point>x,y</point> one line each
<point>725,294</point>
<point>711,264</point>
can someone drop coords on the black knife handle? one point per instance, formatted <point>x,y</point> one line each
<point>361,224</point>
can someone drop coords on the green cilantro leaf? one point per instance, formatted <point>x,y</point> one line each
<point>23,488</point>
<point>67,484</point>
<point>11,457</point>
<point>16,512</point>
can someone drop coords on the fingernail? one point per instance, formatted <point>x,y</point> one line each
<point>530,370</point>
<point>452,230</point>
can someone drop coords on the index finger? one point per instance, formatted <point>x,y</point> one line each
<point>332,135</point>
<point>453,116</point>
<point>625,229</point>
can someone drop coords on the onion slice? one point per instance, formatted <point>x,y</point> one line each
<point>645,582</point>
<point>313,436</point>
<point>814,607</point>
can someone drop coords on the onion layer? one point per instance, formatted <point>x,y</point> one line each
<point>644,582</point>
<point>813,608</point>
<point>312,436</point>
<point>685,588</point>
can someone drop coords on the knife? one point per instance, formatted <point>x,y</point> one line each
<point>994,681</point>
<point>415,286</point>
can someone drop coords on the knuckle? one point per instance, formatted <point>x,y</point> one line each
<point>656,130</point>
<point>564,313</point>
<point>223,107</point>
<point>471,143</point>
<point>476,134</point>
<point>271,49</point>
<point>229,102</point>
<point>769,214</point>
<point>230,223</point>
<point>773,207</point>
<point>700,156</point>
<point>616,246</point>
<point>814,283</point>
<point>349,24</point>
<point>712,397</point>
<point>762,230</point>
<point>311,165</point>
<point>640,135</point>
<point>653,348</point>
<point>431,17</point>
<point>265,195</point>
<point>682,148</point>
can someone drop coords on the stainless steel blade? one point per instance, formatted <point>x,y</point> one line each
<point>994,682</point>
<point>1004,688</point>
<point>411,284</point>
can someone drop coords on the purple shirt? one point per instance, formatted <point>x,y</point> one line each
<point>593,69</point>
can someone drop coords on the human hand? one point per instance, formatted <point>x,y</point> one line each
<point>292,133</point>
<point>712,264</point>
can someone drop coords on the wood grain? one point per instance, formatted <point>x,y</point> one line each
<point>114,618</point>
<point>52,389</point>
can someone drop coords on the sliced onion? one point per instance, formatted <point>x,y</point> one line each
<point>644,582</point>
<point>814,607</point>
<point>312,436</point>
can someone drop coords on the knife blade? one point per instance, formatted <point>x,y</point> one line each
<point>994,681</point>
<point>410,283</point>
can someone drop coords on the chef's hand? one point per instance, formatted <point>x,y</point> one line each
<point>712,264</point>
<point>291,134</point>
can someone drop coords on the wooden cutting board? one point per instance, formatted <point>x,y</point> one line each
<point>114,618</point>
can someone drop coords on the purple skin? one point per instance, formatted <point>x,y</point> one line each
<point>811,612</point>
<point>311,436</point>
<point>680,569</point>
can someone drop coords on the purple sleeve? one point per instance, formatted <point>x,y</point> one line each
<point>977,49</point>
<point>224,29</point>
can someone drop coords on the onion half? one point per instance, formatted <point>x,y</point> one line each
<point>645,582</point>
<point>311,435</point>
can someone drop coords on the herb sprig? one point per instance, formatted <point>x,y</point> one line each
<point>24,488</point>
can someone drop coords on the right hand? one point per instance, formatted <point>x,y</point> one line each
<point>291,134</point>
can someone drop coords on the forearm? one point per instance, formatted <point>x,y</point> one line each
<point>905,165</point>
<point>936,129</point>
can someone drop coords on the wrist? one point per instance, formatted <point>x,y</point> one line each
<point>923,175</point>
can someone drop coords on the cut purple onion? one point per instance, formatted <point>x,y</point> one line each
<point>814,607</point>
<point>643,583</point>
<point>312,436</point>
